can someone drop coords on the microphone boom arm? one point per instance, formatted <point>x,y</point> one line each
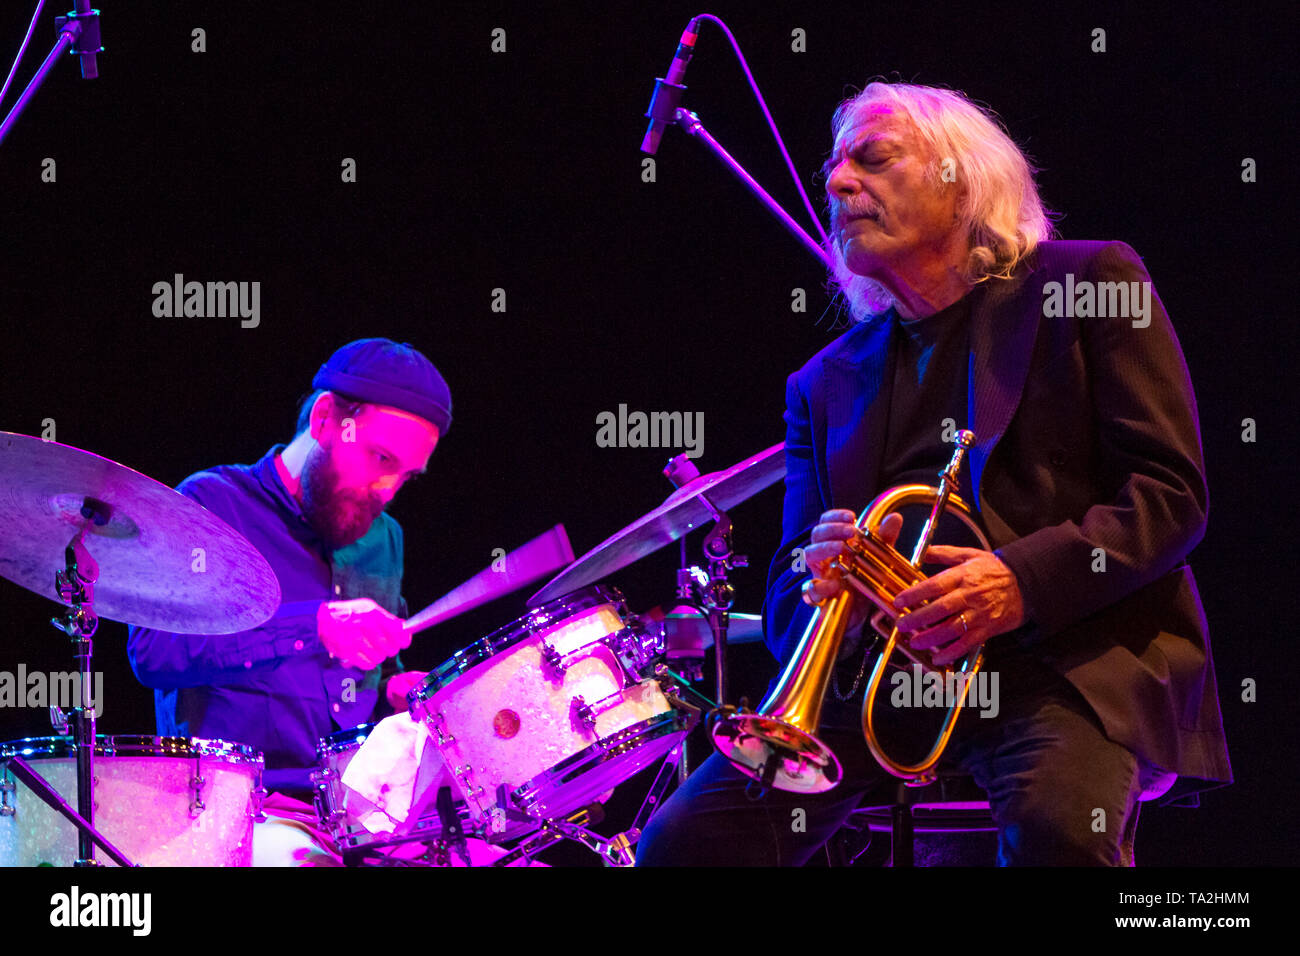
<point>690,122</point>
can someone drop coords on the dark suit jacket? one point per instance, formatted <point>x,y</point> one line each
<point>1087,438</point>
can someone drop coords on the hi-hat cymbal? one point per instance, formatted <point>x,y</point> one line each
<point>687,632</point>
<point>687,508</point>
<point>164,560</point>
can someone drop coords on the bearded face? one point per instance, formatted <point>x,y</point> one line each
<point>339,514</point>
<point>362,456</point>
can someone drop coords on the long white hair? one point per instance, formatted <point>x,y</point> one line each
<point>1000,209</point>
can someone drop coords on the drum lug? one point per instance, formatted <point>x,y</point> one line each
<point>7,787</point>
<point>59,721</point>
<point>583,714</point>
<point>439,724</point>
<point>552,658</point>
<point>465,774</point>
<point>559,663</point>
<point>635,646</point>
<point>196,784</point>
<point>259,798</point>
<point>325,809</point>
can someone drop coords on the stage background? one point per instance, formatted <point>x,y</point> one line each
<point>519,170</point>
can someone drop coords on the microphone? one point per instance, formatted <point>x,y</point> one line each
<point>668,91</point>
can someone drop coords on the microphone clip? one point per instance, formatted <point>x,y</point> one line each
<point>83,27</point>
<point>665,101</point>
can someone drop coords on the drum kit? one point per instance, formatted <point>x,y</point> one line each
<point>534,724</point>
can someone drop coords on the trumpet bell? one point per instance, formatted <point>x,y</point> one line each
<point>777,754</point>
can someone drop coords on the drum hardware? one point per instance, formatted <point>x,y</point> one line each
<point>680,682</point>
<point>137,526</point>
<point>75,586</point>
<point>59,721</point>
<point>259,797</point>
<point>453,834</point>
<point>196,784</point>
<point>322,781</point>
<point>778,746</point>
<point>584,714</point>
<point>633,646</point>
<point>655,795</point>
<point>614,851</point>
<point>465,774</point>
<point>711,593</point>
<point>439,726</point>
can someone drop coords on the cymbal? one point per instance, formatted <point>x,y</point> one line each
<point>164,560</point>
<point>691,505</point>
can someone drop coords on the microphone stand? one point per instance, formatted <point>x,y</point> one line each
<point>79,34</point>
<point>690,122</point>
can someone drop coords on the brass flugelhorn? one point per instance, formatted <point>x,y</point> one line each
<point>777,745</point>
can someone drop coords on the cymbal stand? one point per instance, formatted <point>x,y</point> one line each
<point>75,585</point>
<point>709,592</point>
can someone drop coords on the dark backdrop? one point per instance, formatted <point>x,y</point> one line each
<point>520,171</point>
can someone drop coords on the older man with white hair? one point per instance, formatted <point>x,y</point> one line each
<point>1087,479</point>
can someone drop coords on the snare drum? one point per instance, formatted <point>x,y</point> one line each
<point>162,801</point>
<point>550,711</point>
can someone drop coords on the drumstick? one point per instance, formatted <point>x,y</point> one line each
<point>545,554</point>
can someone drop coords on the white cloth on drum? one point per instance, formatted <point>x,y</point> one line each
<point>394,776</point>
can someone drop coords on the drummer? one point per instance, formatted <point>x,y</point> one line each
<point>328,658</point>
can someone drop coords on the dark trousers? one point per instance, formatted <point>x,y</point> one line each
<point>1061,793</point>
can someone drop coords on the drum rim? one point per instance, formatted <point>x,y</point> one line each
<point>134,745</point>
<point>527,796</point>
<point>518,630</point>
<point>334,743</point>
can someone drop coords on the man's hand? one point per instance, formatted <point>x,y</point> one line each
<point>360,633</point>
<point>975,600</point>
<point>837,527</point>
<point>401,684</point>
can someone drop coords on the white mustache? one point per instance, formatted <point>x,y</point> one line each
<point>845,214</point>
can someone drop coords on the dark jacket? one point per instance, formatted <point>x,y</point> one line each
<point>1087,439</point>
